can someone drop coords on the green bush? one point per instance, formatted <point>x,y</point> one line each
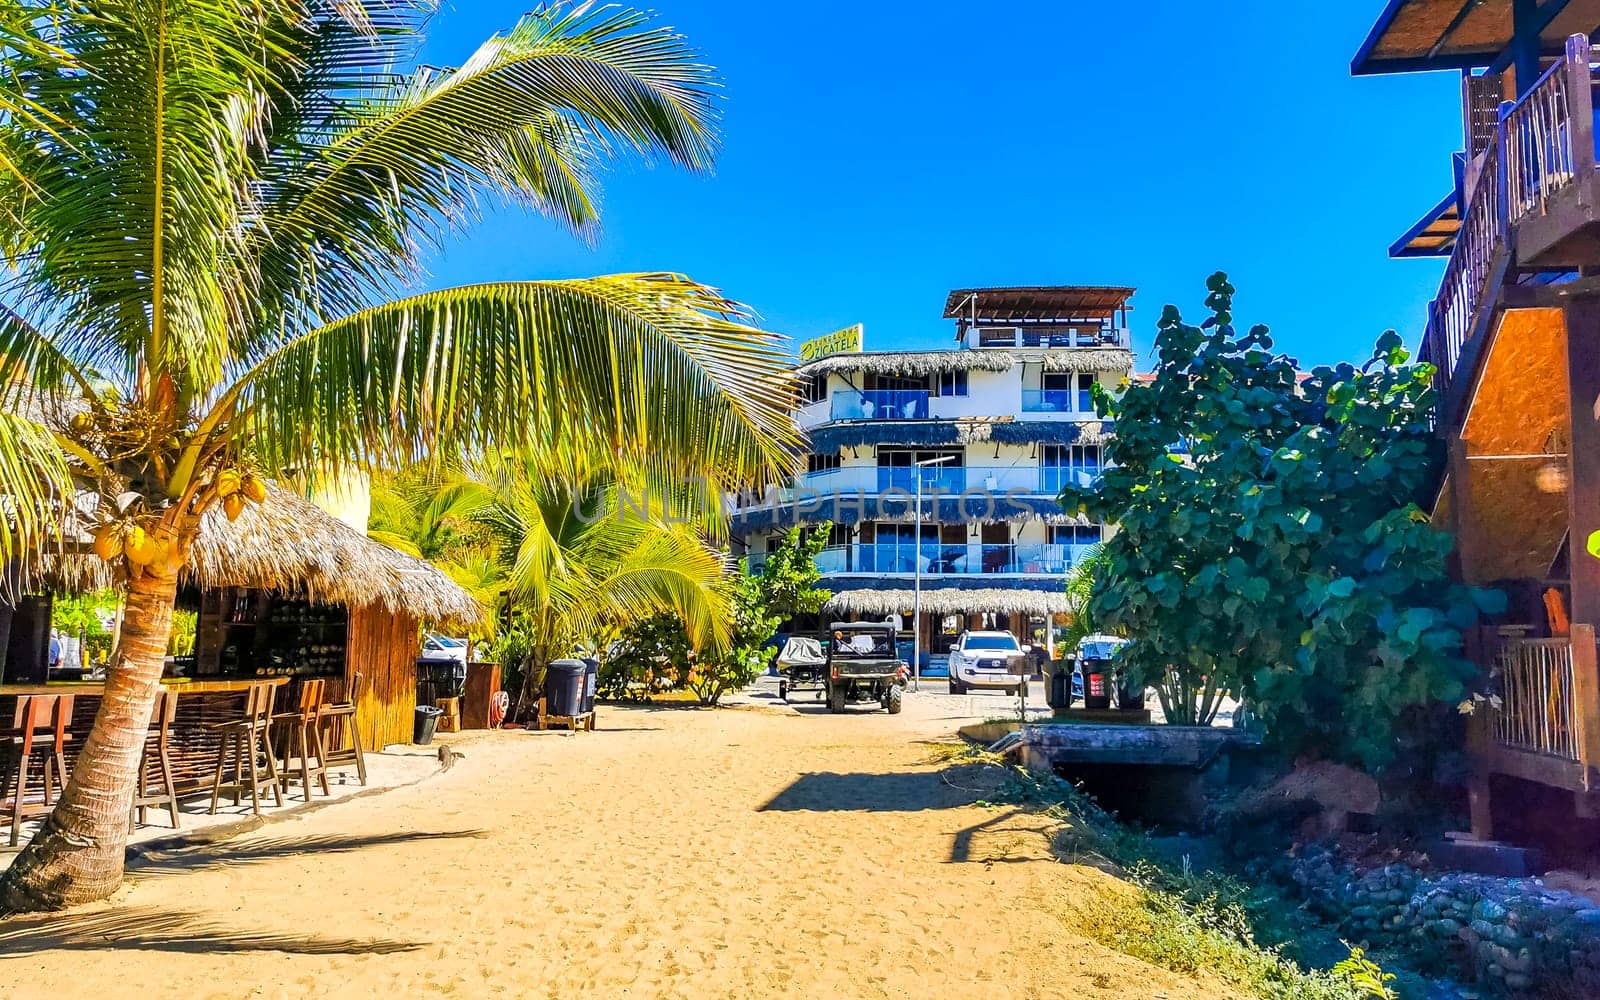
<point>1270,544</point>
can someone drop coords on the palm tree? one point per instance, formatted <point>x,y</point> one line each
<point>581,560</point>
<point>210,210</point>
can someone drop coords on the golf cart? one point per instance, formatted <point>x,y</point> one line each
<point>864,666</point>
<point>802,664</point>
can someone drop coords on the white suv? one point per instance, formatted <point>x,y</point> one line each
<point>985,660</point>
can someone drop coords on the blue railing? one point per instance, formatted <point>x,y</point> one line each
<point>1057,401</point>
<point>880,404</point>
<point>942,559</point>
<point>946,480</point>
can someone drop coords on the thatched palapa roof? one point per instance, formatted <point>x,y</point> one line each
<point>916,364</point>
<point>950,600</point>
<point>289,544</point>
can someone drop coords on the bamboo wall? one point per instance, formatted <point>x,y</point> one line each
<point>383,648</point>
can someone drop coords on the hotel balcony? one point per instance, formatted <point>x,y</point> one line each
<point>1030,480</point>
<point>1532,216</point>
<point>944,560</point>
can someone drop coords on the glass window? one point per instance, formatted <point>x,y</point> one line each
<point>953,383</point>
<point>813,388</point>
<point>1004,642</point>
<point>1074,534</point>
<point>821,463</point>
<point>1085,393</point>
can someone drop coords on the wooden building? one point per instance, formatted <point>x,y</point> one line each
<point>1515,334</point>
<point>289,591</point>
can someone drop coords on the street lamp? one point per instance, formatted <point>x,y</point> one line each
<point>916,585</point>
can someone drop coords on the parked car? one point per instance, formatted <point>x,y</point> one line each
<point>988,661</point>
<point>441,649</point>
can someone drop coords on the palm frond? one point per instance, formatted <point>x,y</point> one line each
<point>527,116</point>
<point>635,365</point>
<point>35,485</point>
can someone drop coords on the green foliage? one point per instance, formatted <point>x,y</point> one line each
<point>1366,976</point>
<point>1080,607</point>
<point>789,577</point>
<point>653,653</point>
<point>1270,542</point>
<point>83,616</point>
<point>786,587</point>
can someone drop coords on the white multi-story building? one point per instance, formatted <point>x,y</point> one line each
<point>999,424</point>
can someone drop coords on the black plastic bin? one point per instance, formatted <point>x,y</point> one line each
<point>1130,696</point>
<point>427,722</point>
<point>591,681</point>
<point>564,684</point>
<point>1096,684</point>
<point>1059,695</point>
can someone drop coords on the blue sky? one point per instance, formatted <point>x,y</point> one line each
<point>879,154</point>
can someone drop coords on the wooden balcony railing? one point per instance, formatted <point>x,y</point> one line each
<point>1542,145</point>
<point>1468,276</point>
<point>1538,709</point>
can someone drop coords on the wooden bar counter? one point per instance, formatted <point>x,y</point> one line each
<point>201,704</point>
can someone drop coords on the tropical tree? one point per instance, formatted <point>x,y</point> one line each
<point>210,210</point>
<point>582,559</point>
<point>432,514</point>
<point>1269,540</point>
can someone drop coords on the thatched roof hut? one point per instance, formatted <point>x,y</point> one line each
<point>289,544</point>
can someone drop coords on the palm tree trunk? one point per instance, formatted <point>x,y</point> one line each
<point>77,856</point>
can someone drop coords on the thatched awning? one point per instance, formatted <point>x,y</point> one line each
<point>950,601</point>
<point>1089,359</point>
<point>291,545</point>
<point>830,438</point>
<point>918,364</point>
<point>913,364</point>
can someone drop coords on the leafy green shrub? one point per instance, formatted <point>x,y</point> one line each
<point>652,655</point>
<point>1270,543</point>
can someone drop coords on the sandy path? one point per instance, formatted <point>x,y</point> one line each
<point>675,853</point>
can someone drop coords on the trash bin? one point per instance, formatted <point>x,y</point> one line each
<point>427,721</point>
<point>591,681</point>
<point>1059,695</point>
<point>1096,684</point>
<point>1130,696</point>
<point>564,686</point>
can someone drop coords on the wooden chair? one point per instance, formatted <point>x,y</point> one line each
<point>248,739</point>
<point>39,730</point>
<point>340,726</point>
<point>157,771</point>
<point>303,740</point>
<point>450,721</point>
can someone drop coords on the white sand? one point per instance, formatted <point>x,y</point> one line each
<point>674,853</point>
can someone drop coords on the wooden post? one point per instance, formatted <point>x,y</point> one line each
<point>1586,698</point>
<point>1580,105</point>
<point>1480,742</point>
<point>1583,482</point>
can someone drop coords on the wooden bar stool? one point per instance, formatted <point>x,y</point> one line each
<point>247,740</point>
<point>339,726</point>
<point>303,741</point>
<point>156,770</point>
<point>38,730</point>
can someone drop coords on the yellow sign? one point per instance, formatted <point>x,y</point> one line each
<point>838,342</point>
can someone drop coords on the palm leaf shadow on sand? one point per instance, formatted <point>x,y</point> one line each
<point>149,929</point>
<point>239,853</point>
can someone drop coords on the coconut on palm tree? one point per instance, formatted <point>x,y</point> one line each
<point>210,210</point>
